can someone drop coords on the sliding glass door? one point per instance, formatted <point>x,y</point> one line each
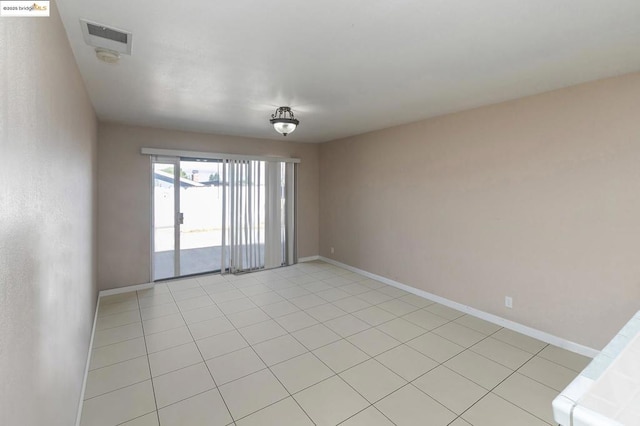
<point>165,218</point>
<point>221,215</point>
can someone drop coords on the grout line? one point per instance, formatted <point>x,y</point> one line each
<point>155,400</point>
<point>287,332</point>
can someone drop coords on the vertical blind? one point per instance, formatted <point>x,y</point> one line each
<point>259,215</point>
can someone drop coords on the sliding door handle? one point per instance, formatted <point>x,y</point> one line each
<point>181,218</point>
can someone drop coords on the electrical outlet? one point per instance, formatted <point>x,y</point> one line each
<point>332,250</point>
<point>508,302</point>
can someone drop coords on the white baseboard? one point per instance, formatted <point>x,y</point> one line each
<point>86,368</point>
<point>126,289</point>
<point>308,259</point>
<point>520,328</point>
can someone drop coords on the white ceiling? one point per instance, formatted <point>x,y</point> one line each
<point>344,66</point>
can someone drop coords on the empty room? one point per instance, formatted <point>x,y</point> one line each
<point>357,213</point>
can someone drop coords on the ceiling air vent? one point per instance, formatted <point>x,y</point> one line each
<point>105,37</point>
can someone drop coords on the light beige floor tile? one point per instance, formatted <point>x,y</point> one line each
<point>493,410</point>
<point>460,422</point>
<point>425,319</point>
<point>252,393</point>
<point>182,384</point>
<point>118,307</point>
<point>347,325</point>
<point>246,281</point>
<point>260,332</point>
<point>150,419</point>
<point>409,406</point>
<point>219,287</point>
<point>315,336</point>
<point>211,279</point>
<point>117,298</point>
<point>407,362</point>
<point>159,311</point>
<point>401,329</point>
<point>450,389</point>
<point>308,301</point>
<point>279,349</point>
<point>255,290</point>
<point>182,284</point>
<point>208,328</point>
<point>296,321</point>
<point>529,395</point>
<point>398,307</point>
<point>156,300</point>
<point>221,344</point>
<point>368,417</point>
<point>444,311</point>
<point>204,409</point>
<point>459,334</point>
<point>116,376</point>
<point>132,402</point>
<point>279,284</point>
<point>235,365</point>
<point>548,373</point>
<point>283,412</point>
<point>502,353</point>
<point>373,296</point>
<point>118,352</point>
<point>194,303</point>
<point>236,305</point>
<point>188,293</point>
<point>301,372</point>
<point>168,339</point>
<point>340,355</point>
<point>330,402</point>
<point>116,320</point>
<point>519,340</point>
<point>264,299</point>
<point>316,286</point>
<point>373,380</point>
<point>357,289</point>
<point>484,327</point>
<point>155,290</point>
<point>248,317</point>
<point>435,347</point>
<point>325,312</point>
<point>175,358</point>
<point>478,369</point>
<point>165,323</point>
<point>351,304</point>
<point>117,334</point>
<point>373,341</point>
<point>224,297</point>
<point>374,315</point>
<point>565,358</point>
<point>333,294</point>
<point>392,291</point>
<point>292,292</point>
<point>279,309</point>
<point>415,300</point>
<point>201,314</point>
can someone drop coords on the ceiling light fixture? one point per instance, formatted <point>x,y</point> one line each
<point>283,121</point>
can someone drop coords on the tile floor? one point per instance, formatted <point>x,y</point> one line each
<point>311,344</point>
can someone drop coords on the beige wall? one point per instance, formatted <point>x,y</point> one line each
<point>48,136</point>
<point>124,197</point>
<point>538,199</point>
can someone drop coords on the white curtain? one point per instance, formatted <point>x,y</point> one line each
<point>258,215</point>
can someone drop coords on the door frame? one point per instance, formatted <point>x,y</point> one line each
<point>175,161</point>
